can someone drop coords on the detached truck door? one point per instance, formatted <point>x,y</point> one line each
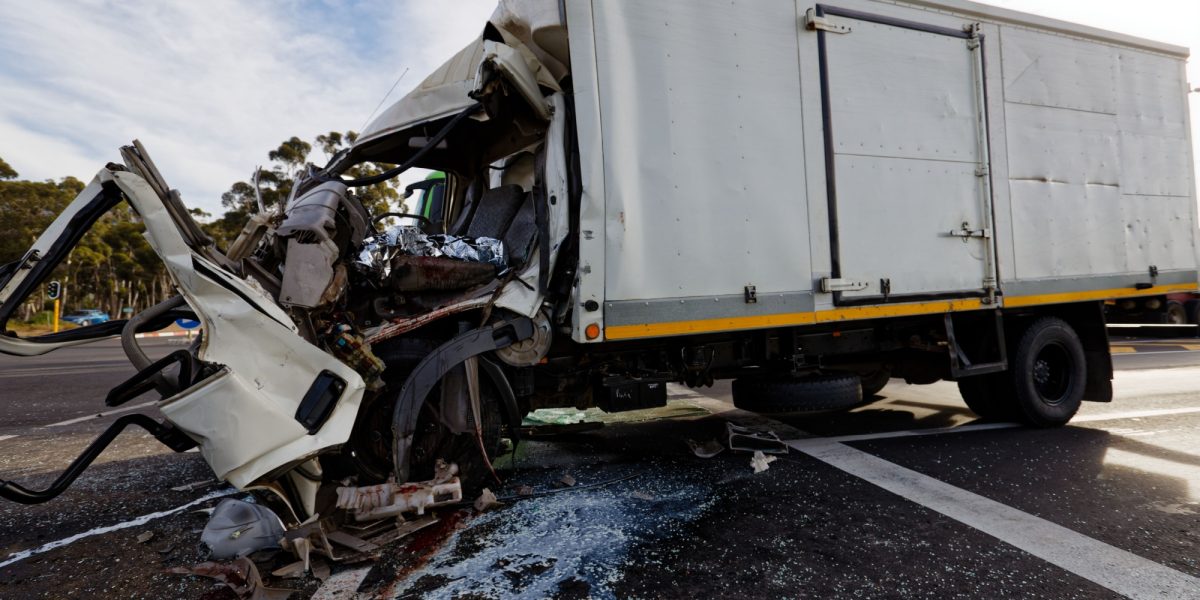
<point>906,159</point>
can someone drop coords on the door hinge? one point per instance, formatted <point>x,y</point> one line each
<point>830,285</point>
<point>814,23</point>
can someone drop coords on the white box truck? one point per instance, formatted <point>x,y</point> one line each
<point>807,198</point>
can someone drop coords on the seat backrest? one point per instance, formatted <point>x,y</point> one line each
<point>495,212</point>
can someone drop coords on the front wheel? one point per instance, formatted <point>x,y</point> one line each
<point>1048,373</point>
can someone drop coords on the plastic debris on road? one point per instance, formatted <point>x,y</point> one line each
<point>707,449</point>
<point>486,501</point>
<point>238,528</point>
<point>749,438</point>
<point>391,499</point>
<point>759,462</point>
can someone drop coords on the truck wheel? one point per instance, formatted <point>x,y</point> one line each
<point>787,396</point>
<point>1175,314</point>
<point>989,396</point>
<point>874,382</point>
<point>1048,373</point>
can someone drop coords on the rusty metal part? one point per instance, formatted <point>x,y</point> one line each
<point>400,326</point>
<point>420,273</point>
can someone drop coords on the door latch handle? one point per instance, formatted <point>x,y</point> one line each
<point>966,232</point>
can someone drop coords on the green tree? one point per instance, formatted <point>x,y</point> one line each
<point>276,180</point>
<point>112,267</point>
<point>7,172</point>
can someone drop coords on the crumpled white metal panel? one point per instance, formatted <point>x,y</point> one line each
<point>1052,70</point>
<point>1099,161</point>
<point>1152,113</point>
<point>1063,230</point>
<point>703,148</point>
<point>1159,231</point>
<point>1064,173</point>
<point>243,417</point>
<point>901,93</point>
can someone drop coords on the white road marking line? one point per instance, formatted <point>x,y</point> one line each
<point>341,585</point>
<point>1136,414</point>
<point>142,520</point>
<point>100,415</point>
<point>1152,352</point>
<point>6,437</point>
<point>50,371</point>
<point>1120,571</point>
<point>911,433</point>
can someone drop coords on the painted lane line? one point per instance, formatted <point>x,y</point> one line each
<point>99,415</point>
<point>341,585</point>
<point>142,520</point>
<point>1120,571</point>
<point>911,433</point>
<point>6,437</point>
<point>1136,414</point>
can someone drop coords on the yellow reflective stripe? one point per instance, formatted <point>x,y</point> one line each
<point>624,332</point>
<point>877,311</point>
<point>1015,301</point>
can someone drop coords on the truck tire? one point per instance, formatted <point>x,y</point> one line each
<point>989,396</point>
<point>874,382</point>
<point>1048,373</point>
<point>790,396</point>
<point>1175,314</point>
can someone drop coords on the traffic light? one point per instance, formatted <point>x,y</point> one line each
<point>54,290</point>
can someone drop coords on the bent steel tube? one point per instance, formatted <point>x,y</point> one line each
<point>161,432</point>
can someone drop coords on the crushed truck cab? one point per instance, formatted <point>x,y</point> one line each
<point>806,199</point>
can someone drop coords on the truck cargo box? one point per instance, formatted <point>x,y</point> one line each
<point>759,163</point>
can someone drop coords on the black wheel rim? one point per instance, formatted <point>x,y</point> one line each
<point>1052,369</point>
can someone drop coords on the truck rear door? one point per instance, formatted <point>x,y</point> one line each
<point>906,158</point>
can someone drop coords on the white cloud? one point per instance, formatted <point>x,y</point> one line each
<point>208,87</point>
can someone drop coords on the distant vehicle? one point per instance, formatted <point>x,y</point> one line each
<point>87,316</point>
<point>1180,308</point>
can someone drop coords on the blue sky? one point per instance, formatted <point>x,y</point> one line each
<point>211,86</point>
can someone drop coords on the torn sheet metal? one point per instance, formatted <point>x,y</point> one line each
<point>240,576</point>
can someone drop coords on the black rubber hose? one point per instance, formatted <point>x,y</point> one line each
<point>408,164</point>
<point>17,493</point>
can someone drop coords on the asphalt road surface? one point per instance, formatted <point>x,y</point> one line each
<point>906,497</point>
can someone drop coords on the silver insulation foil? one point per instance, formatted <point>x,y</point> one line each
<point>378,250</point>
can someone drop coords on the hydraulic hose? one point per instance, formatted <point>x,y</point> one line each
<point>408,164</point>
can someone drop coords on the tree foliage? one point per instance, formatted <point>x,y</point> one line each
<point>113,267</point>
<point>6,171</point>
